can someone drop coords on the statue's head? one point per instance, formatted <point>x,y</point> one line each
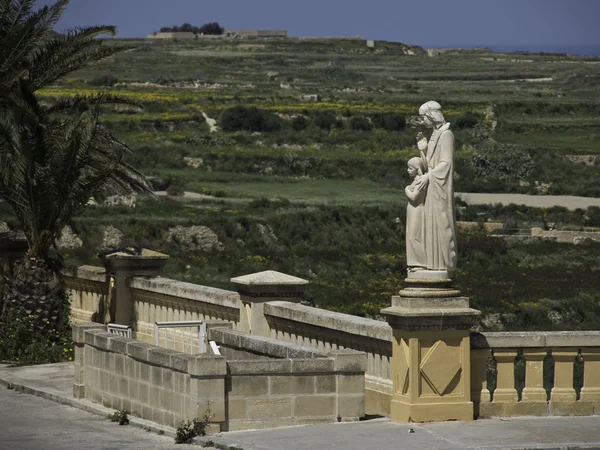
<point>415,167</point>
<point>431,113</point>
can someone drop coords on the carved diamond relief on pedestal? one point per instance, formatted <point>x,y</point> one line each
<point>440,365</point>
<point>402,367</point>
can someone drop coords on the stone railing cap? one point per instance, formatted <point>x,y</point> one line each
<point>344,323</point>
<point>535,339</point>
<point>268,278</point>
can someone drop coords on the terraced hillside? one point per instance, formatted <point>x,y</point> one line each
<point>312,184</point>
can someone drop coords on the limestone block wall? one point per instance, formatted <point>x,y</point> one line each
<point>282,384</point>
<point>571,237</point>
<point>167,386</point>
<point>88,289</point>
<point>328,331</point>
<point>153,383</point>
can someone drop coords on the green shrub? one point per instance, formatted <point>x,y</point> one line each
<point>467,120</point>
<point>389,121</point>
<point>327,120</point>
<point>242,118</point>
<point>175,186</point>
<point>104,80</point>
<point>360,123</point>
<point>120,417</point>
<point>21,343</point>
<point>188,430</point>
<point>299,123</point>
<point>502,163</point>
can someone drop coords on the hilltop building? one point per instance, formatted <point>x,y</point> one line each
<point>255,33</point>
<point>233,34</point>
<point>172,35</point>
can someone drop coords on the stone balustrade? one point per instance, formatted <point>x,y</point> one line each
<point>164,300</point>
<point>89,288</point>
<point>511,373</point>
<point>535,373</point>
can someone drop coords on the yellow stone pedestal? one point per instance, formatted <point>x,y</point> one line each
<point>431,365</point>
<point>431,412</point>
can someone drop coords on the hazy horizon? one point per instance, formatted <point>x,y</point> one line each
<point>429,24</point>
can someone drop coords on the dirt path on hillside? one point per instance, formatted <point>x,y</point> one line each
<point>537,201</point>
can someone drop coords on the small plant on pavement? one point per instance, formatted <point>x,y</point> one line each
<point>188,430</point>
<point>120,417</point>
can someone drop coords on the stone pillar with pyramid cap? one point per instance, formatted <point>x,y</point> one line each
<point>431,366</point>
<point>258,288</point>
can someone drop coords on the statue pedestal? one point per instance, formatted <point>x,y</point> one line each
<point>431,351</point>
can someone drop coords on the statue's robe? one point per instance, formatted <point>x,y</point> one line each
<point>438,212</point>
<point>415,227</point>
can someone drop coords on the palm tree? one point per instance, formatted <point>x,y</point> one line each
<point>53,157</point>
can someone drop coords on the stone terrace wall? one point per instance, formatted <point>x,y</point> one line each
<point>571,237</point>
<point>153,383</point>
<point>167,387</point>
<point>327,331</point>
<point>291,385</point>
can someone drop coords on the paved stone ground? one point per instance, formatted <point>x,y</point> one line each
<point>536,201</point>
<point>380,434</point>
<point>33,423</point>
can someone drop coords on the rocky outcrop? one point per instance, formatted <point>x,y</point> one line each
<point>116,200</point>
<point>588,160</point>
<point>195,163</point>
<point>68,239</point>
<point>195,238</point>
<point>112,237</point>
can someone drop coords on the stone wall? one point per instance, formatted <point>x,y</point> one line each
<point>153,383</point>
<point>327,330</point>
<point>166,386</point>
<point>571,237</point>
<point>284,384</point>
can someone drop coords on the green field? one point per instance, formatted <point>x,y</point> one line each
<point>332,195</point>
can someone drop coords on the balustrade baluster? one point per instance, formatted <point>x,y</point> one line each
<point>591,375</point>
<point>534,391</point>
<point>479,364</point>
<point>505,385</point>
<point>563,390</point>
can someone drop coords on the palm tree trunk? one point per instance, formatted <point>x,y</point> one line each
<point>36,293</point>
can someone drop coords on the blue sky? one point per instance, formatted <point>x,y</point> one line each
<point>420,22</point>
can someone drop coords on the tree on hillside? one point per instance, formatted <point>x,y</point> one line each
<point>211,28</point>
<point>207,28</point>
<point>53,158</point>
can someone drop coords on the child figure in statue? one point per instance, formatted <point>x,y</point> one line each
<point>415,228</point>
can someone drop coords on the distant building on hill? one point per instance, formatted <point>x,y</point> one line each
<point>255,33</point>
<point>172,35</point>
<point>332,38</point>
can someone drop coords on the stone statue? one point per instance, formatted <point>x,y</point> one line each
<point>437,210</point>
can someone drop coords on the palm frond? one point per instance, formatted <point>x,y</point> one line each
<point>21,32</point>
<point>65,54</point>
<point>101,99</point>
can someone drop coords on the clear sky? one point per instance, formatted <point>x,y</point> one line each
<point>420,22</point>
